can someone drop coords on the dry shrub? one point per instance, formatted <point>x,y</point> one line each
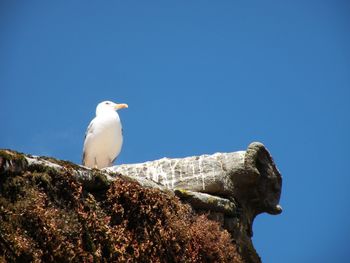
<point>47,216</point>
<point>215,244</point>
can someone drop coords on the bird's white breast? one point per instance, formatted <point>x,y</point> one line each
<point>103,143</point>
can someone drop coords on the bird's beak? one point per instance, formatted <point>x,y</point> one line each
<point>120,106</point>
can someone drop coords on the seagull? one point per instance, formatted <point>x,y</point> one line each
<point>104,136</point>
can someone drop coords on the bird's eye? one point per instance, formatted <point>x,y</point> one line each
<point>107,103</point>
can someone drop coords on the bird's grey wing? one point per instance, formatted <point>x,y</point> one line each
<point>89,129</point>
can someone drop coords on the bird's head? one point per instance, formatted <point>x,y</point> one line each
<point>109,106</point>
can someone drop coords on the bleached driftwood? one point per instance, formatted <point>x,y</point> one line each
<point>250,177</point>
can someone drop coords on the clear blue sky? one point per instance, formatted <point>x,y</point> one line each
<point>199,77</point>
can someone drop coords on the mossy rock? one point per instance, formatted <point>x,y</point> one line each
<point>47,215</point>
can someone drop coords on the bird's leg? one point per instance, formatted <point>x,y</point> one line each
<point>95,166</point>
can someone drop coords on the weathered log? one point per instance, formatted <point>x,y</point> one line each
<point>250,177</point>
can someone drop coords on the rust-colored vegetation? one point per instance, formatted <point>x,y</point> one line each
<point>48,216</point>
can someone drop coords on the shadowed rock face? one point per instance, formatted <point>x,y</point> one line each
<point>231,188</point>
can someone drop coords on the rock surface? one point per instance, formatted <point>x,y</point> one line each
<point>230,188</point>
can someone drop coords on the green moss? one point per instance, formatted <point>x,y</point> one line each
<point>183,193</point>
<point>12,155</point>
<point>41,168</point>
<point>14,189</point>
<point>63,163</point>
<point>211,200</point>
<point>17,160</point>
<point>100,179</point>
<point>42,180</point>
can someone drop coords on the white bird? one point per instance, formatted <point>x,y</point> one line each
<point>104,136</point>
